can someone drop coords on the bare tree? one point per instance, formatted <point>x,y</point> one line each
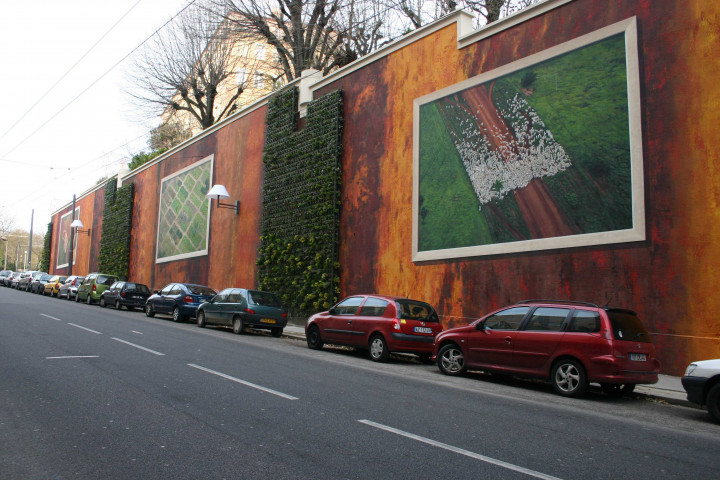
<point>190,69</point>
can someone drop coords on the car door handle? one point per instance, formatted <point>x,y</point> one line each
<point>508,339</point>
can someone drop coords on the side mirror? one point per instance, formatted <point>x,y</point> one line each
<point>156,291</point>
<point>480,326</point>
<point>332,311</point>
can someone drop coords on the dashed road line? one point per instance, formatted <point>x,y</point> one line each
<point>85,328</point>
<point>243,382</point>
<point>137,346</point>
<point>72,356</point>
<point>461,451</point>
<point>51,318</point>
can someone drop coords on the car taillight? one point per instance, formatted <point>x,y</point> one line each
<point>73,283</point>
<point>249,310</point>
<point>188,299</point>
<point>396,325</point>
<point>94,288</point>
<point>122,294</point>
<point>284,315</point>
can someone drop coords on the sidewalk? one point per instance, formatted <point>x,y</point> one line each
<point>668,388</point>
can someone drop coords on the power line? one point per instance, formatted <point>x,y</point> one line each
<point>97,80</point>
<point>69,70</point>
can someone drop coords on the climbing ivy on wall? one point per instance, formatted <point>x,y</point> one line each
<point>298,256</point>
<point>45,259</point>
<point>114,258</point>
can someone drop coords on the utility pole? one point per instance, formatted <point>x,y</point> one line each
<point>32,219</point>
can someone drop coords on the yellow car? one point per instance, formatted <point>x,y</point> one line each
<point>52,286</point>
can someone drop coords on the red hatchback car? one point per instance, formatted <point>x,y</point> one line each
<point>380,323</point>
<point>570,343</point>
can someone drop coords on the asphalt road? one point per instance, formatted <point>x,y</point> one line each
<point>87,392</point>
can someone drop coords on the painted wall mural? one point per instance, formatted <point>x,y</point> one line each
<point>184,213</point>
<point>63,243</point>
<point>543,153</point>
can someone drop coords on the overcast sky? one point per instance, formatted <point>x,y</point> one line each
<point>46,156</point>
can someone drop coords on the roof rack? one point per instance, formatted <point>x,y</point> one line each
<point>545,300</point>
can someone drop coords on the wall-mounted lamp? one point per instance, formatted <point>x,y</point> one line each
<point>77,224</point>
<point>220,192</point>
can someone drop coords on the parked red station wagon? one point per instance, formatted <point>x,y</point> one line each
<point>380,323</point>
<point>570,343</point>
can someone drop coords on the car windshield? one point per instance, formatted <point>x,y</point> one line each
<point>200,290</point>
<point>265,299</point>
<point>414,310</point>
<point>627,326</point>
<point>105,280</point>
<point>45,277</point>
<point>137,287</point>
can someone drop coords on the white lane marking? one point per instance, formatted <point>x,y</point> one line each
<point>228,377</point>
<point>133,331</point>
<point>84,328</point>
<point>137,346</point>
<point>73,356</point>
<point>461,451</point>
<point>51,318</point>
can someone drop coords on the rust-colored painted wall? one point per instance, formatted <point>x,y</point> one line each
<point>668,279</point>
<point>234,239</point>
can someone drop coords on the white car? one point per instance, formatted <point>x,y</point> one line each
<point>702,384</point>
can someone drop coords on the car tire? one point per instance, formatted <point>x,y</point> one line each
<point>176,317</point>
<point>276,332</point>
<point>314,339</point>
<point>118,305</point>
<point>713,402</point>
<point>237,325</point>
<point>88,300</point>
<point>568,378</point>
<point>451,360</point>
<point>149,310</point>
<point>377,348</point>
<point>77,298</point>
<point>617,389</point>
<point>102,302</point>
<point>201,319</point>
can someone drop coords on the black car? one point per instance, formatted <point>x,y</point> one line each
<point>181,300</point>
<point>239,308</point>
<point>125,294</point>
<point>38,283</point>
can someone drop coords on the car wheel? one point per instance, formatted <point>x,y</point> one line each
<point>314,340</point>
<point>237,325</point>
<point>617,389</point>
<point>378,349</point>
<point>713,402</point>
<point>176,315</point>
<point>149,311</point>
<point>118,305</point>
<point>201,319</point>
<point>276,332</point>
<point>77,298</point>
<point>102,302</point>
<point>450,360</point>
<point>88,300</point>
<point>568,378</point>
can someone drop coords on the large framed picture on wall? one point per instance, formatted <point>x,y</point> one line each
<point>542,153</point>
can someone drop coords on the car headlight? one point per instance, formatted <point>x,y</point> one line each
<point>690,369</point>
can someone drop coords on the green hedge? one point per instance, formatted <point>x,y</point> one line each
<point>298,256</point>
<point>114,258</point>
<point>45,260</point>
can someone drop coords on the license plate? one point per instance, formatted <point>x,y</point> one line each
<point>422,330</point>
<point>638,357</point>
<point>267,320</point>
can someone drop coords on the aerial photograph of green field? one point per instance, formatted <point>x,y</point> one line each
<point>184,213</point>
<point>542,152</point>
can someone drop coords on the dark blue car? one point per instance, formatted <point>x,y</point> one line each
<point>181,300</point>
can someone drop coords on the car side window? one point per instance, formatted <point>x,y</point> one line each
<point>545,319</point>
<point>166,290</point>
<point>374,307</point>
<point>176,290</point>
<point>236,296</point>
<point>348,306</point>
<point>509,319</point>
<point>585,321</point>
<point>221,297</point>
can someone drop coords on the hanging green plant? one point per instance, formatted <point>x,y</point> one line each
<point>114,257</point>
<point>298,255</point>
<point>45,258</point>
